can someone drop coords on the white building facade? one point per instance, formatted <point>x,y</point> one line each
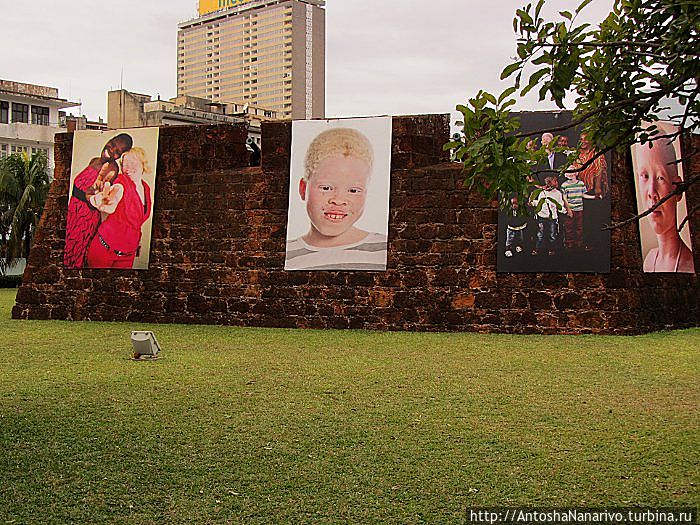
<point>29,118</point>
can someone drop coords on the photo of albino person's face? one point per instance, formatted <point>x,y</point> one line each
<point>339,183</point>
<point>132,164</point>
<point>656,178</point>
<point>335,196</point>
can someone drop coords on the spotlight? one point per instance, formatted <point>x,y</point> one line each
<point>145,344</point>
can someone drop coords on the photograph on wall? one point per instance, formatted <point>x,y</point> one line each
<point>110,199</point>
<point>560,228</point>
<point>656,172</point>
<point>338,215</point>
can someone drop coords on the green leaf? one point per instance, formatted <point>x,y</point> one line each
<point>566,14</point>
<point>525,17</point>
<point>534,79</point>
<point>510,69</point>
<point>583,5</point>
<point>508,92</point>
<point>538,9</point>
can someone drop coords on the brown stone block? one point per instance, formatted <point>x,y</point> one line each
<point>47,275</point>
<point>28,295</point>
<point>569,300</point>
<point>404,126</point>
<point>519,300</point>
<point>540,300</point>
<point>547,322</point>
<point>553,281</point>
<point>463,301</point>
<point>482,279</point>
<point>593,320</point>
<point>490,299</point>
<point>445,277</point>
<point>583,281</point>
<point>38,313</point>
<point>19,312</point>
<point>604,301</point>
<point>197,304</point>
<point>427,231</point>
<point>381,298</point>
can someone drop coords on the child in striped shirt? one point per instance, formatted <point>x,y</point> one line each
<point>573,190</point>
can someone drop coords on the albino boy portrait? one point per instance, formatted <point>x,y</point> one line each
<point>339,195</point>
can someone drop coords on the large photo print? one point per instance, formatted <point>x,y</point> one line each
<point>338,216</point>
<point>110,199</point>
<point>560,228</point>
<point>656,173</point>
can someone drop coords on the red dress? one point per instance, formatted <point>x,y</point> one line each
<point>119,235</point>
<point>82,220</point>
<point>595,176</point>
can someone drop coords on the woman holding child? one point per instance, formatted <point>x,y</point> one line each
<point>83,218</point>
<point>126,205</point>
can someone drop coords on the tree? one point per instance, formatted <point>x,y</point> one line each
<point>621,74</point>
<point>24,186</point>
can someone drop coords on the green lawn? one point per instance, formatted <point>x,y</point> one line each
<point>288,426</point>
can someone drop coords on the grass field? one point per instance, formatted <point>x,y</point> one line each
<point>287,426</point>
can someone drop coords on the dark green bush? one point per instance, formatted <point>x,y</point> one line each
<point>10,281</point>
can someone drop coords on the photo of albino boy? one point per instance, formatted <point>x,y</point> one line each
<point>339,195</point>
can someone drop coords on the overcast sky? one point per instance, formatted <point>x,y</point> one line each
<point>383,57</point>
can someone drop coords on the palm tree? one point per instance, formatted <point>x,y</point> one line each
<point>24,186</point>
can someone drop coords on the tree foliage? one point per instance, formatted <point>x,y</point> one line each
<point>621,74</point>
<point>24,186</point>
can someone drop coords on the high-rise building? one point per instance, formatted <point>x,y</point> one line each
<point>267,53</point>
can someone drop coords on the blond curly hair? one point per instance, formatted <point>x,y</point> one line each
<point>337,141</point>
<point>141,154</point>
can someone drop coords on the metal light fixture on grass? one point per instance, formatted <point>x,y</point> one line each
<point>145,344</point>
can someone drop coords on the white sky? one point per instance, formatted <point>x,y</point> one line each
<point>382,56</point>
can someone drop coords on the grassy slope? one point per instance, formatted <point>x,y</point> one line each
<point>274,426</point>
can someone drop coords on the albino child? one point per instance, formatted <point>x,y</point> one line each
<point>337,170</point>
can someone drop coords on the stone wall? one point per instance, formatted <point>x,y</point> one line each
<point>217,252</point>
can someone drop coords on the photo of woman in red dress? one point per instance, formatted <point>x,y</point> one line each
<point>110,205</point>
<point>126,205</point>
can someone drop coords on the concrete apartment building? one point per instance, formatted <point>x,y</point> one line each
<point>268,53</point>
<point>126,109</point>
<point>30,116</point>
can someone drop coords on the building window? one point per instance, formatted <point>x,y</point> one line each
<point>43,150</point>
<point>4,113</point>
<point>3,151</point>
<point>40,115</point>
<point>15,148</point>
<point>20,112</point>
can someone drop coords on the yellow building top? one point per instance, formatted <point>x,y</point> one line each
<point>207,6</point>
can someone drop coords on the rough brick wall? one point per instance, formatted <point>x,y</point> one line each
<point>217,252</point>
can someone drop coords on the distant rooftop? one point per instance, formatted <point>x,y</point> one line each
<point>34,90</point>
<point>209,9</point>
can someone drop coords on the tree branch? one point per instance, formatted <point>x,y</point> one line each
<point>619,104</point>
<point>680,188</point>
<point>619,43</point>
<point>691,212</point>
